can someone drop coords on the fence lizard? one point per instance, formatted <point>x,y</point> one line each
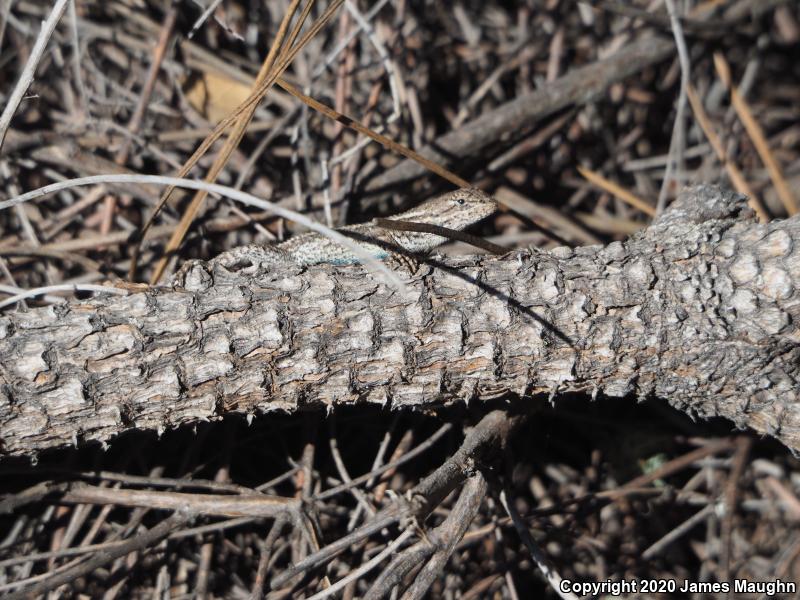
<point>455,210</point>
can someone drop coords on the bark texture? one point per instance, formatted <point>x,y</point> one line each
<point>701,309</point>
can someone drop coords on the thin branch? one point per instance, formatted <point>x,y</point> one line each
<point>366,567</point>
<point>757,135</point>
<point>62,287</point>
<point>28,72</point>
<point>452,234</point>
<point>137,543</point>
<point>677,144</point>
<point>542,562</point>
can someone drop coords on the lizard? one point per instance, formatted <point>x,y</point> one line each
<point>455,210</point>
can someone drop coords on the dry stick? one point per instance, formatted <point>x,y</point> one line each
<point>379,490</point>
<point>212,527</point>
<point>382,520</point>
<point>231,143</point>
<point>694,26</point>
<point>577,87</point>
<point>203,568</point>
<point>542,562</point>
<point>734,173</point>
<point>381,139</point>
<point>171,482</point>
<point>402,447</point>
<point>675,465</point>
<point>419,449</point>
<point>62,553</point>
<point>203,18</point>
<point>64,536</point>
<point>491,434</point>
<point>481,588</point>
<point>80,259</point>
<point>677,143</point>
<point>679,531</point>
<point>135,544</point>
<point>228,505</point>
<point>730,494</point>
<point>493,430</point>
<point>537,138</point>
<point>257,590</point>
<point>637,485</point>
<point>76,57</point>
<point>786,497</point>
<point>558,224</point>
<point>61,287</point>
<point>137,117</point>
<point>618,191</point>
<point>28,72</point>
<point>92,242</point>
<point>13,289</point>
<point>453,234</point>
<point>748,9</point>
<point>343,88</point>
<point>252,100</point>
<point>448,534</point>
<point>5,10</point>
<point>392,80</point>
<point>359,496</point>
<point>757,135</point>
<point>367,566</point>
<point>303,484</point>
<point>283,58</point>
<point>397,571</point>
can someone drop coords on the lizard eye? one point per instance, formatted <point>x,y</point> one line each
<point>460,201</point>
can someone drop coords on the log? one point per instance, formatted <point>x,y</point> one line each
<point>701,310</point>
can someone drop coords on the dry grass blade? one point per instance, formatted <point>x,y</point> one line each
<point>65,287</point>
<point>757,135</point>
<point>618,191</point>
<point>381,139</point>
<point>254,98</point>
<point>734,173</point>
<point>230,144</point>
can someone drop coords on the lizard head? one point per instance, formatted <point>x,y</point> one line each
<point>457,210</point>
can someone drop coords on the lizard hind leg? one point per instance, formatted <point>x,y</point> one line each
<point>403,262</point>
<point>252,258</point>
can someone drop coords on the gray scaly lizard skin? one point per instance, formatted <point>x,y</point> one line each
<point>454,210</point>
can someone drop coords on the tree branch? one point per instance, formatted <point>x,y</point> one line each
<point>701,309</point>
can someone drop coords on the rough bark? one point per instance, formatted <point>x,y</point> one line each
<point>701,309</point>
